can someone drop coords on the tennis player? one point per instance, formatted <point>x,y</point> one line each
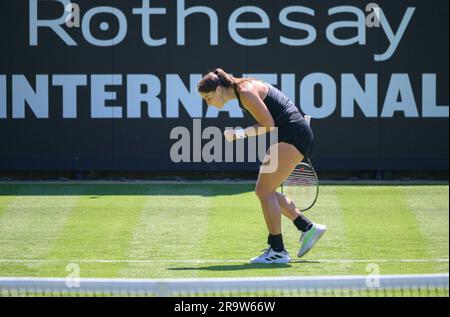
<point>270,108</point>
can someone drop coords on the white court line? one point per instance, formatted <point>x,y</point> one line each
<point>17,261</point>
<point>216,182</point>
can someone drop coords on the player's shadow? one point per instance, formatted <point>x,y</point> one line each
<point>96,191</point>
<point>239,267</point>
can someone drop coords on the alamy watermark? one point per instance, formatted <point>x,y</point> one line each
<point>73,278</point>
<point>374,16</point>
<point>373,278</point>
<point>73,16</point>
<point>190,146</point>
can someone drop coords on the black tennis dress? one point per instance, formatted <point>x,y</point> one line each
<point>291,124</point>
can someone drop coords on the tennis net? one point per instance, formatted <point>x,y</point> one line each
<point>434,285</point>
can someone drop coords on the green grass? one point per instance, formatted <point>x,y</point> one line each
<point>167,227</point>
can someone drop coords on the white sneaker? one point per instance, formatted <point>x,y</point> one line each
<point>269,256</point>
<point>309,238</point>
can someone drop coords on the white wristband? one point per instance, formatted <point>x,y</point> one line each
<point>240,133</point>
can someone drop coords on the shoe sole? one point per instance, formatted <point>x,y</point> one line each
<point>273,262</point>
<point>313,243</point>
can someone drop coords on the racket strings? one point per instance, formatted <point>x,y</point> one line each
<point>302,186</point>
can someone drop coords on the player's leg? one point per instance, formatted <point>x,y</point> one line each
<point>289,210</point>
<point>280,161</point>
<point>278,164</point>
<point>311,232</point>
<point>288,207</point>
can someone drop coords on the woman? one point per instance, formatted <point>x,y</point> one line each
<point>270,108</point>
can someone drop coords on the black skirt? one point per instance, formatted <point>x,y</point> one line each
<point>299,134</point>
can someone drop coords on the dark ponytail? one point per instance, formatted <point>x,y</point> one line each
<point>225,79</point>
<point>218,77</point>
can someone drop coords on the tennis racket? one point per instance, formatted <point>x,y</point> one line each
<point>302,186</point>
